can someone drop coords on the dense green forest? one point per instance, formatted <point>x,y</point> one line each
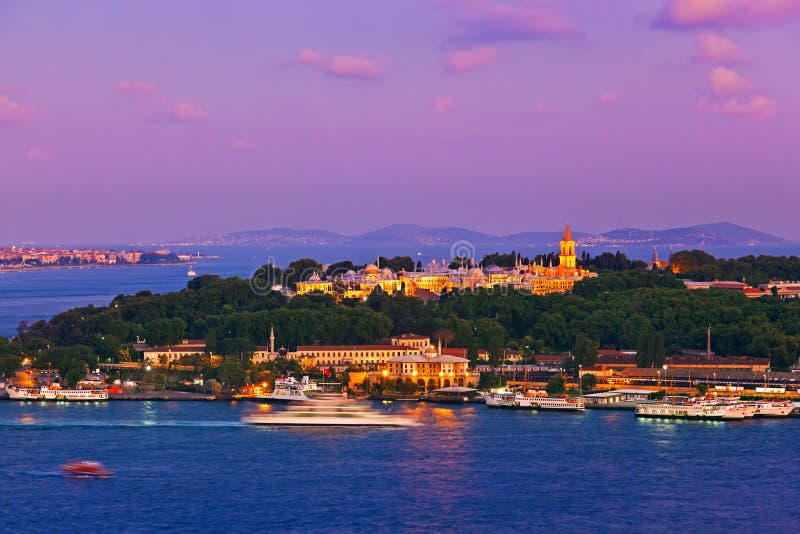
<point>630,308</point>
<point>702,266</point>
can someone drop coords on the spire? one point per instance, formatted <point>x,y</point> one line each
<point>271,339</point>
<point>567,234</point>
<point>655,256</point>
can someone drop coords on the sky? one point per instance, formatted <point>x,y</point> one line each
<point>146,120</point>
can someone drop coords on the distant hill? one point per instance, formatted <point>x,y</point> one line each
<point>714,234</point>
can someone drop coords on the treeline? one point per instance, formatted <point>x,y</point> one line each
<point>702,266</point>
<point>651,311</point>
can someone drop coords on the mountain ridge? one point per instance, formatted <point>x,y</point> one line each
<point>710,234</point>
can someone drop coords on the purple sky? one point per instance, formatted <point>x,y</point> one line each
<point>145,120</point>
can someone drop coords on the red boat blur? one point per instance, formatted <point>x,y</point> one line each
<point>86,469</point>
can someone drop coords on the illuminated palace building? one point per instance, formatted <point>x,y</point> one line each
<point>436,277</point>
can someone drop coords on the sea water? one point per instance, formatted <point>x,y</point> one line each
<point>194,467</point>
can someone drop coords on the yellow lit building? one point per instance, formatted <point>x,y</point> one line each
<point>436,276</point>
<point>429,370</point>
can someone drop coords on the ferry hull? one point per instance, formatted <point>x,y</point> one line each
<point>286,421</point>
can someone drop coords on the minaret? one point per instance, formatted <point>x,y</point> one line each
<point>566,257</point>
<point>271,339</point>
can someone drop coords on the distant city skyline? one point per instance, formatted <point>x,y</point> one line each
<point>142,122</point>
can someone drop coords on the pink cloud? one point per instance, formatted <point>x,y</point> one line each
<point>722,13</point>
<point>342,65</point>
<point>35,153</point>
<point>466,60</point>
<point>13,113</point>
<point>159,108</point>
<point>755,106</point>
<point>308,56</point>
<point>353,67</point>
<point>240,144</point>
<point>726,82</point>
<point>609,99</point>
<point>185,111</point>
<point>141,88</point>
<point>714,48</point>
<point>443,104</point>
<point>488,22</point>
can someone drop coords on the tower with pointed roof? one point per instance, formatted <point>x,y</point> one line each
<point>566,257</point>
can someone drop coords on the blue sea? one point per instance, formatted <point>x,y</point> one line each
<point>193,467</point>
<point>35,295</point>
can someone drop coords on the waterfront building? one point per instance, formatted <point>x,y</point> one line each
<point>617,396</point>
<point>728,363</point>
<point>429,370</point>
<point>437,276</point>
<point>168,354</point>
<point>371,356</point>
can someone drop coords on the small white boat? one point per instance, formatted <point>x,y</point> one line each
<point>331,414</point>
<point>191,272</point>
<point>533,400</point>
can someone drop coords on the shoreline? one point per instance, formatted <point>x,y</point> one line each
<point>92,266</point>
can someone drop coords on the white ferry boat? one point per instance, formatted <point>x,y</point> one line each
<point>330,414</point>
<point>291,390</point>
<point>686,408</point>
<point>776,408</point>
<point>538,400</point>
<point>51,393</point>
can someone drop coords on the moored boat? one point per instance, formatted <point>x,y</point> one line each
<point>679,407</point>
<point>533,400</point>
<point>774,408</point>
<point>50,393</point>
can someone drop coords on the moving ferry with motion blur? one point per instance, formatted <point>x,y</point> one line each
<point>50,393</point>
<point>330,414</point>
<point>533,400</point>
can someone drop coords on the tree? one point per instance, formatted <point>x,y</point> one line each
<point>588,382</point>
<point>213,387</point>
<point>585,350</point>
<point>231,374</point>
<point>556,385</point>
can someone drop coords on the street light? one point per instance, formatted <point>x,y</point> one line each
<point>665,374</point>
